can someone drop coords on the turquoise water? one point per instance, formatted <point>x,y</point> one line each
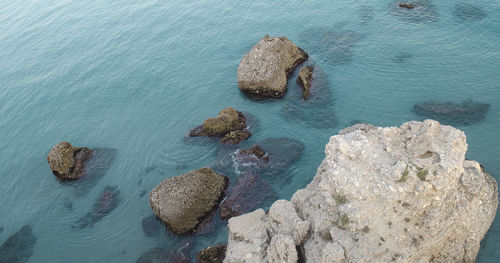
<point>136,76</point>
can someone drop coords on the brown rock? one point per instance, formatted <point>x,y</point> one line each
<point>304,79</point>
<point>263,70</point>
<point>186,202</point>
<point>68,162</point>
<point>215,254</point>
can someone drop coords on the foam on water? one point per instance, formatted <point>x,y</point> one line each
<point>135,77</point>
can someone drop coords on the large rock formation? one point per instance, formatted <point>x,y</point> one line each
<point>264,69</point>
<point>395,194</point>
<point>68,162</point>
<point>185,202</point>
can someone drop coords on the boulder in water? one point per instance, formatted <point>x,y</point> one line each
<point>68,162</point>
<point>18,248</point>
<point>186,202</point>
<point>264,69</point>
<point>229,124</point>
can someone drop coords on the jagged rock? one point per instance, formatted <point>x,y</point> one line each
<point>395,194</point>
<point>230,124</point>
<point>235,137</point>
<point>18,248</point>
<point>283,220</point>
<point>107,202</point>
<point>248,239</point>
<point>466,113</point>
<point>249,192</point>
<point>264,69</point>
<point>215,254</point>
<point>68,162</point>
<point>185,202</point>
<point>304,79</point>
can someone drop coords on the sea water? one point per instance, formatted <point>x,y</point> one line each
<point>136,76</point>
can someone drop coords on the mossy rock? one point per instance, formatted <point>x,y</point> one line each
<point>228,120</point>
<point>186,202</point>
<point>235,137</point>
<point>256,151</point>
<point>68,162</point>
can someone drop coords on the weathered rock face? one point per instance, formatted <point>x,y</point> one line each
<point>401,194</point>
<point>68,162</point>
<point>230,124</point>
<point>215,254</point>
<point>18,248</point>
<point>186,201</point>
<point>264,69</point>
<point>304,79</point>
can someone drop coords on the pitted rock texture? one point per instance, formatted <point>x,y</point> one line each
<point>264,69</point>
<point>394,194</point>
<point>185,202</point>
<point>68,162</point>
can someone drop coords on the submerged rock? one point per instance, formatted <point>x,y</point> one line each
<point>107,202</point>
<point>264,69</point>
<point>465,113</point>
<point>68,162</point>
<point>249,192</point>
<point>267,157</point>
<point>151,225</point>
<point>229,124</point>
<point>215,254</point>
<point>186,202</point>
<point>18,248</point>
<point>304,79</point>
<point>465,12</point>
<point>162,255</point>
<point>402,194</point>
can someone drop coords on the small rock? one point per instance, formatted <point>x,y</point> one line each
<point>68,162</point>
<point>263,70</point>
<point>229,124</point>
<point>215,254</point>
<point>304,79</point>
<point>187,201</point>
<point>406,5</point>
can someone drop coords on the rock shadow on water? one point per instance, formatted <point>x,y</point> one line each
<point>95,168</point>
<point>105,204</point>
<point>466,113</point>
<point>18,248</point>
<point>422,11</point>
<point>465,12</point>
<point>334,46</point>
<point>249,192</point>
<point>179,254</point>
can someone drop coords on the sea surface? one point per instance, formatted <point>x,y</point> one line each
<point>133,77</point>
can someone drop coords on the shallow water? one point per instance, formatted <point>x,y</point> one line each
<point>134,77</point>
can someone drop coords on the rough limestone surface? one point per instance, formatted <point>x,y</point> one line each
<point>393,194</point>
<point>263,70</point>
<point>184,202</point>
